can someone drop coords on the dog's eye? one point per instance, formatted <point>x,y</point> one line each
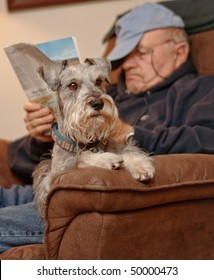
<point>73,86</point>
<point>98,82</point>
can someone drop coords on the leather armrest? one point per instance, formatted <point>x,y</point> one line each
<point>178,178</point>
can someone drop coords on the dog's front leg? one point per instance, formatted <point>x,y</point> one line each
<point>138,163</point>
<point>105,160</point>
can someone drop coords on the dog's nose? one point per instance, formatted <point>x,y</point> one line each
<point>97,104</point>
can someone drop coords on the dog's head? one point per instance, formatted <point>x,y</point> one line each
<point>85,112</point>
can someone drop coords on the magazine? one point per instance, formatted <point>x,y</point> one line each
<point>26,59</point>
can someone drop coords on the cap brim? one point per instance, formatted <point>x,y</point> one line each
<point>123,48</point>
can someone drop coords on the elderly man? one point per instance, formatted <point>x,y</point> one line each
<point>166,106</point>
<point>163,105</point>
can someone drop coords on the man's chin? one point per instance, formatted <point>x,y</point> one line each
<point>131,87</point>
<point>135,86</point>
<point>132,91</point>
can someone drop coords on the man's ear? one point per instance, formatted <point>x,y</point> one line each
<point>182,51</point>
<point>50,73</point>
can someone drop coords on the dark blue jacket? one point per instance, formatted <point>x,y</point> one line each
<point>176,116</point>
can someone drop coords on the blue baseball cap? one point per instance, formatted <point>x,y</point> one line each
<point>131,27</point>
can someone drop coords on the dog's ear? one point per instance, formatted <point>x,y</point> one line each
<point>50,73</point>
<point>102,62</point>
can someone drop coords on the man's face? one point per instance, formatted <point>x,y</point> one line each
<point>151,62</point>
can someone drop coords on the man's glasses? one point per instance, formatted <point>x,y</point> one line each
<point>143,53</point>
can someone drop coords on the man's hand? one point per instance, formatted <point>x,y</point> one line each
<point>38,121</point>
<point>121,131</point>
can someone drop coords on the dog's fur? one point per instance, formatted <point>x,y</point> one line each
<point>85,114</point>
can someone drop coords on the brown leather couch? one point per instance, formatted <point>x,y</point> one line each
<point>95,213</point>
<point>100,214</point>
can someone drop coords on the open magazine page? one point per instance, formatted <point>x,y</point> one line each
<point>26,60</point>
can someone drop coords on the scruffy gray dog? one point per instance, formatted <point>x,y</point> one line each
<point>84,119</point>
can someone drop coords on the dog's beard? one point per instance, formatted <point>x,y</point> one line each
<point>92,128</point>
<point>95,128</point>
<point>86,125</point>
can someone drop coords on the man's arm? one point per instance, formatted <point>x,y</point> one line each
<point>185,139</point>
<point>24,154</point>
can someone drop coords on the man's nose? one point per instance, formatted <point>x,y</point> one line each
<point>129,62</point>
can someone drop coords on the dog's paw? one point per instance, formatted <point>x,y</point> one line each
<point>140,167</point>
<point>116,164</point>
<point>143,174</point>
<point>105,160</point>
<point>112,161</point>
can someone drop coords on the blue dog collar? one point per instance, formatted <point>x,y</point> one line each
<point>73,147</point>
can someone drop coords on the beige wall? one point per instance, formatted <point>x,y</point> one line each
<point>87,21</point>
